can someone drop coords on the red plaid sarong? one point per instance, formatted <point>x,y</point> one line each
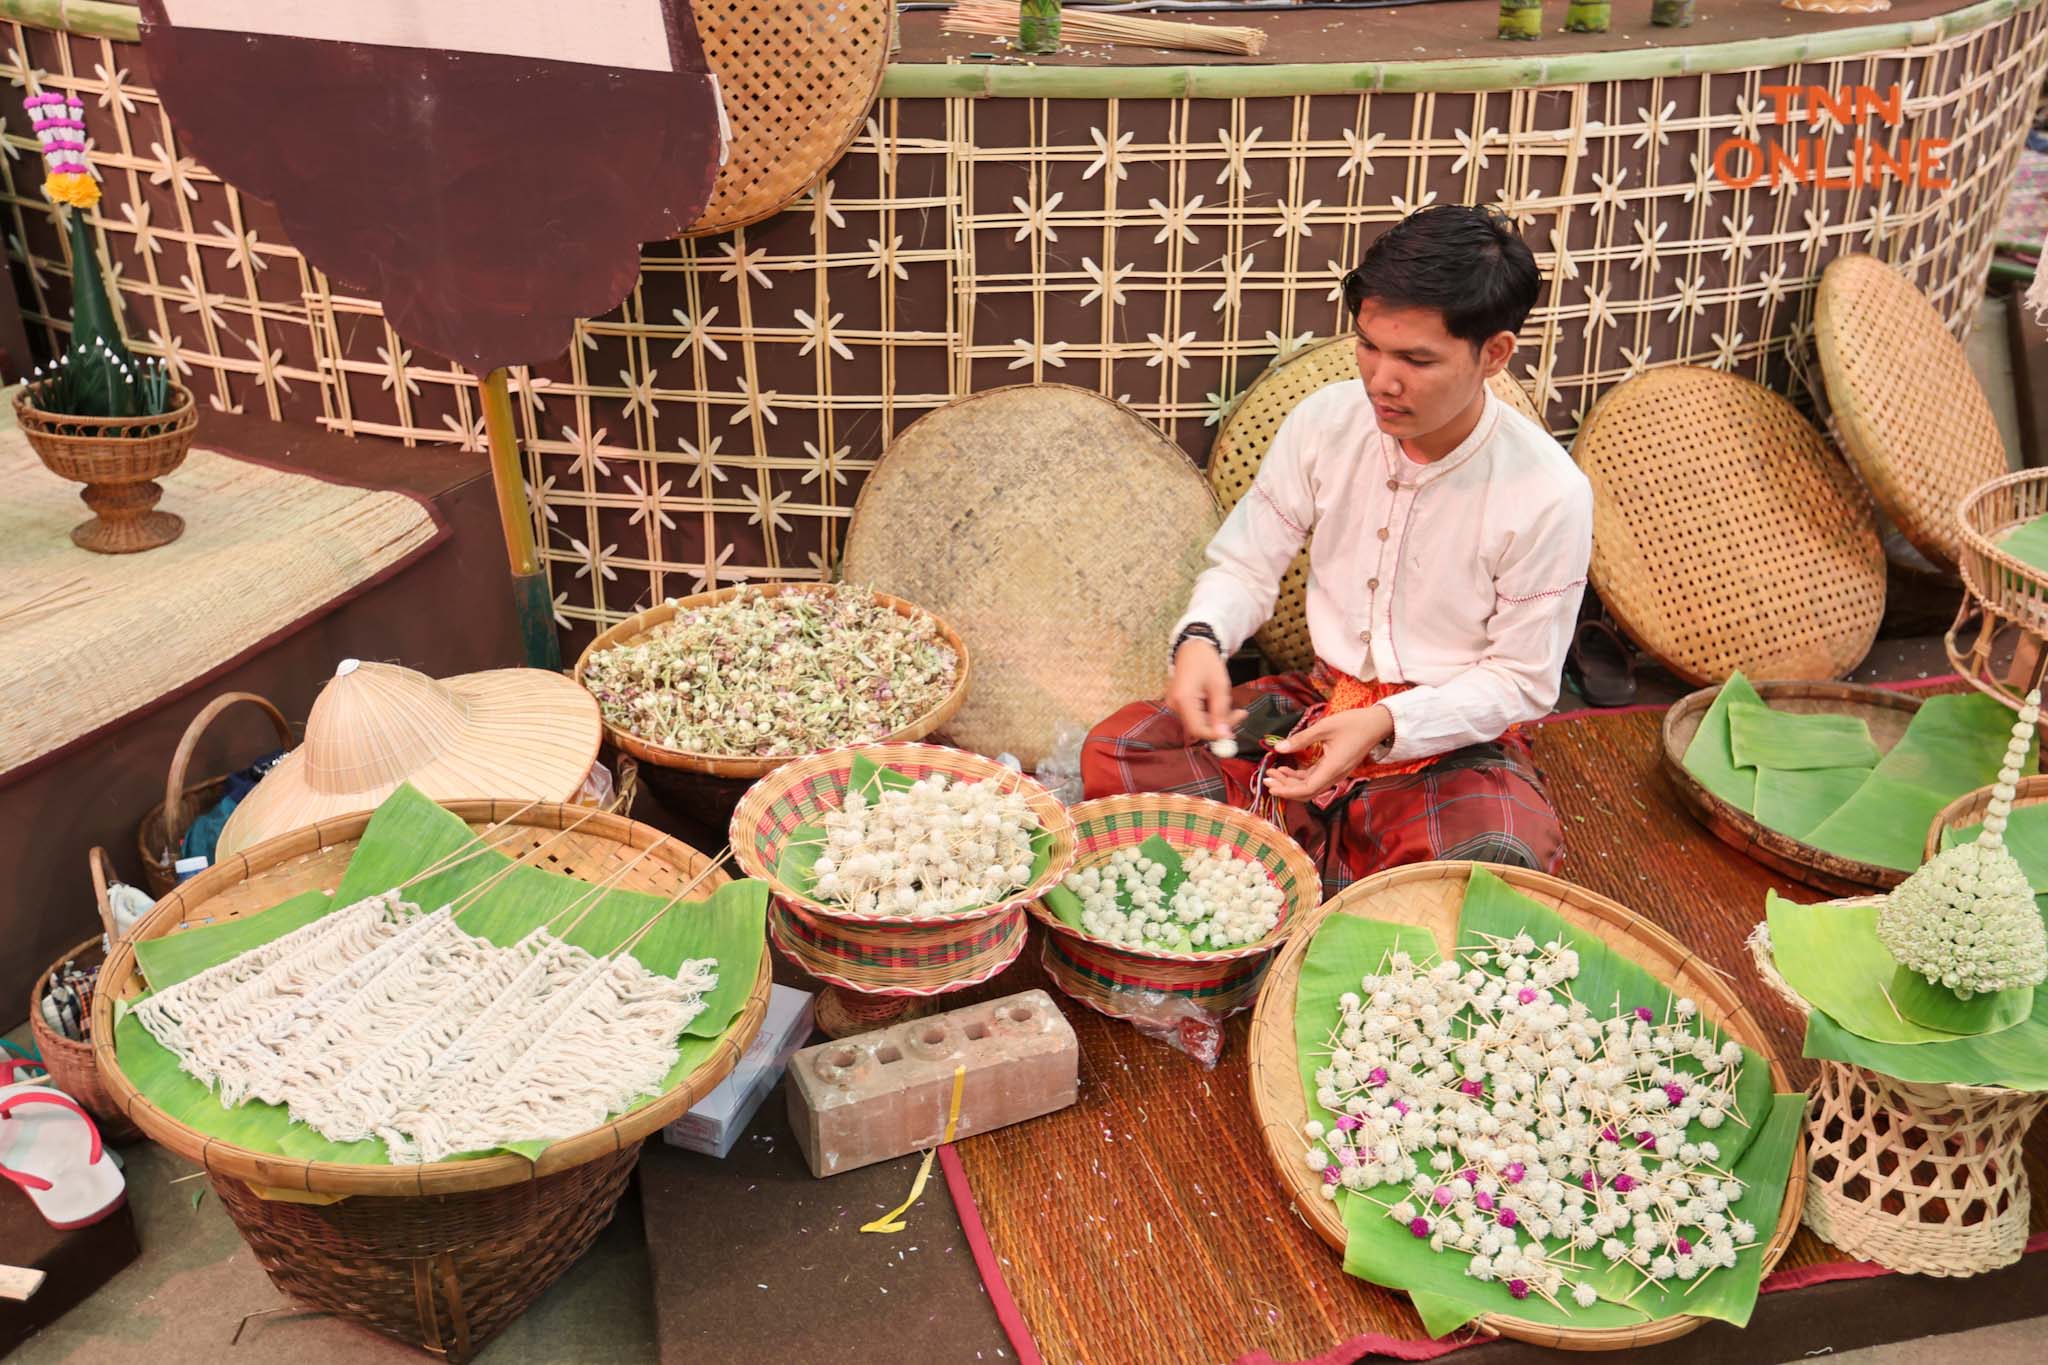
<point>1484,803</point>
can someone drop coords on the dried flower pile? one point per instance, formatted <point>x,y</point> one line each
<point>931,848</point>
<point>1224,900</point>
<point>1545,1143</point>
<point>761,676</point>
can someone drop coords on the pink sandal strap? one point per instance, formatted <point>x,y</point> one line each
<point>24,1179</point>
<point>12,1065</point>
<point>9,1104</point>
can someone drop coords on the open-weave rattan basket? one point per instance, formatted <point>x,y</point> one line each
<point>1886,713</point>
<point>2004,596</point>
<point>1115,978</point>
<point>887,955</point>
<point>161,834</point>
<point>1431,895</point>
<point>441,1255</point>
<point>1922,1179</point>
<point>69,1061</point>
<point>630,630</point>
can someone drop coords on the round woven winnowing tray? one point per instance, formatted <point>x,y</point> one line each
<point>1241,445</point>
<point>798,77</point>
<point>1726,535</point>
<point>1907,407</point>
<point>1058,532</point>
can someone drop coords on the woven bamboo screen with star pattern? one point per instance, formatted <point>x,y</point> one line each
<point>1164,250</point>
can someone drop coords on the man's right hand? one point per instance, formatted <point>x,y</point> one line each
<point>1199,691</point>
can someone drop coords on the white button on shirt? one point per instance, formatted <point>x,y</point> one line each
<point>1461,577</point>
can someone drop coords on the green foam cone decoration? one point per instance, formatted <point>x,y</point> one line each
<point>1964,928</point>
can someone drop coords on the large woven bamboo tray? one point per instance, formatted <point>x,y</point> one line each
<point>314,858</point>
<point>633,628</point>
<point>1886,713</point>
<point>1431,895</point>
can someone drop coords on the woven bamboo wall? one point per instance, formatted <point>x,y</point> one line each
<point>718,425</point>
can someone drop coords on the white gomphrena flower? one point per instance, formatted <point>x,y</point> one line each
<point>935,848</point>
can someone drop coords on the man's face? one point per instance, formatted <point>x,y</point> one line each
<point>1418,375</point>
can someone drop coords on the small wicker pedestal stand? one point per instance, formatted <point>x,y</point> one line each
<point>2005,599</point>
<point>1922,1179</point>
<point>119,460</point>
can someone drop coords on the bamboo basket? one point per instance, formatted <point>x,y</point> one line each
<point>896,957</point>
<point>1886,713</point>
<point>2004,596</point>
<point>1430,895</point>
<point>118,459</point>
<point>162,832</point>
<point>1923,1179</point>
<point>69,1062</point>
<point>1115,978</point>
<point>444,1254</point>
<point>630,630</point>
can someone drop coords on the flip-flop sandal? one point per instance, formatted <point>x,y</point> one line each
<point>1601,664</point>
<point>51,1148</point>
<point>12,1067</point>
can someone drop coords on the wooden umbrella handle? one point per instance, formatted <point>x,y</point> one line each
<point>174,788</point>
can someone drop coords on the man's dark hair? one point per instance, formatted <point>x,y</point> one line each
<point>1465,263</point>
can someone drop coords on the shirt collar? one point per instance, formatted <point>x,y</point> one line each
<point>1410,473</point>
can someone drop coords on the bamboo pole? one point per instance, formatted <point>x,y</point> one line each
<point>530,595</point>
<point>1590,16</point>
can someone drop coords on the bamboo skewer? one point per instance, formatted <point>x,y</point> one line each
<point>998,18</point>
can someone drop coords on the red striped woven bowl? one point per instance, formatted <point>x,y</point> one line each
<point>1111,976</point>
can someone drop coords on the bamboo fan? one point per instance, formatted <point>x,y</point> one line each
<point>998,18</point>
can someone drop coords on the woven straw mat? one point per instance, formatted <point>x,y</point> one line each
<point>1241,445</point>
<point>1726,535</point>
<point>86,639</point>
<point>1907,407</point>
<point>1059,533</point>
<point>798,78</point>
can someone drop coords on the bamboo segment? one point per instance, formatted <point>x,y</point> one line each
<point>1001,19</point>
<point>1671,13</point>
<point>1588,16</point>
<point>1521,19</point>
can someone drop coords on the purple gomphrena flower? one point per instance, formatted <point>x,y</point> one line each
<point>1331,1175</point>
<point>1643,1013</point>
<point>1526,995</point>
<point>1647,1139</point>
<point>1347,1156</point>
<point>1469,1175</point>
<point>1484,1201</point>
<point>1608,1134</point>
<point>1590,1181</point>
<point>1674,1092</point>
<point>1401,1108</point>
<point>1419,1226</point>
<point>1624,1183</point>
<point>1350,1123</point>
<point>1444,1196</point>
<point>1508,1218</point>
<point>1684,1247</point>
<point>1378,1075</point>
<point>1519,1288</point>
<point>1513,1172</point>
<point>1472,1088</point>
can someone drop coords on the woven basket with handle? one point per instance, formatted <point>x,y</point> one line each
<point>68,1060</point>
<point>894,955</point>
<point>162,832</point>
<point>1432,895</point>
<point>1116,978</point>
<point>633,628</point>
<point>444,1254</point>
<point>2004,596</point>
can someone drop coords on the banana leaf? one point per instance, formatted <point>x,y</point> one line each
<point>2028,542</point>
<point>407,834</point>
<point>1710,758</point>
<point>1832,956</point>
<point>1794,802</point>
<point>1346,948</point>
<point>1791,741</point>
<point>2026,836</point>
<point>797,865</point>
<point>2016,1057</point>
<point>1952,746</point>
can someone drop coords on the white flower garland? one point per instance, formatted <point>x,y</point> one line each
<point>1225,901</point>
<point>1515,1116</point>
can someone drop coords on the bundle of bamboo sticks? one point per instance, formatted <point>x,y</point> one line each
<point>998,18</point>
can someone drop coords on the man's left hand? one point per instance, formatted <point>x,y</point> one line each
<point>1346,737</point>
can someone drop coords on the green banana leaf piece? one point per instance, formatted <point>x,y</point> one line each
<point>1832,956</point>
<point>1710,758</point>
<point>1068,907</point>
<point>1954,745</point>
<point>797,865</point>
<point>2016,1057</point>
<point>1794,802</point>
<point>2026,837</point>
<point>2028,542</point>
<point>1346,948</point>
<point>1788,740</point>
<point>408,834</point>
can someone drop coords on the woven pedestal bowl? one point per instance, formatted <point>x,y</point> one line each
<point>1431,895</point>
<point>630,631</point>
<point>2005,601</point>
<point>1886,713</point>
<point>1116,978</point>
<point>119,460</point>
<point>1924,1179</point>
<point>443,1254</point>
<point>878,965</point>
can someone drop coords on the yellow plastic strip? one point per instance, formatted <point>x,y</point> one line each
<point>893,1220</point>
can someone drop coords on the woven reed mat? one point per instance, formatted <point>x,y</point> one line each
<point>1146,1224</point>
<point>87,639</point>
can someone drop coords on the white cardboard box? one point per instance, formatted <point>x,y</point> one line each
<point>717,1120</point>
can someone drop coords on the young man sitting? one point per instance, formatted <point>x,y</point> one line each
<point>1451,537</point>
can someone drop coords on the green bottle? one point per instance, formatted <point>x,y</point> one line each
<point>1038,26</point>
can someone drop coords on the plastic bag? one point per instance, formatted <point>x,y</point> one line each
<point>1178,1022</point>
<point>1059,772</point>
